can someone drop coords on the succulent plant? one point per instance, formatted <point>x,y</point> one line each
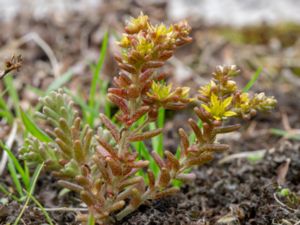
<point>102,165</point>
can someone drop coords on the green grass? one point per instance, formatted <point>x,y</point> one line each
<point>32,128</point>
<point>29,193</point>
<point>23,183</point>
<point>59,82</point>
<point>18,173</point>
<point>285,134</point>
<point>253,79</point>
<point>91,220</point>
<point>157,141</point>
<point>5,112</point>
<point>13,94</point>
<point>96,82</point>
<point>98,90</point>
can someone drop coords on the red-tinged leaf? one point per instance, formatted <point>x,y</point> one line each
<point>214,147</point>
<point>135,198</point>
<point>161,76</point>
<point>282,172</point>
<point>110,126</point>
<point>125,79</point>
<point>151,179</point>
<point>83,181</point>
<point>139,164</point>
<point>202,114</point>
<point>175,106</point>
<point>142,111</point>
<point>118,58</point>
<point>164,178</point>
<point>134,91</point>
<point>165,55</point>
<point>87,198</point>
<point>184,141</point>
<point>200,160</point>
<point>159,161</point>
<point>186,177</point>
<point>127,67</point>
<point>145,135</point>
<point>118,92</point>
<point>70,186</point>
<point>173,161</point>
<point>129,182</point>
<point>167,192</point>
<point>101,165</point>
<point>119,102</point>
<point>146,75</point>
<point>116,206</point>
<point>196,130</point>
<point>112,152</point>
<point>226,129</point>
<point>153,64</point>
<point>114,166</point>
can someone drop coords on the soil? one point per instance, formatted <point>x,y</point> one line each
<point>242,190</point>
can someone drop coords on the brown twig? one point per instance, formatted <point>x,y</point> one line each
<point>14,63</point>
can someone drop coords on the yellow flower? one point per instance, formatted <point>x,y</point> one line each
<point>137,24</point>
<point>219,108</point>
<point>124,42</point>
<point>206,89</point>
<point>161,30</point>
<point>163,93</point>
<point>144,47</point>
<point>262,102</point>
<point>230,86</point>
<point>244,103</point>
<point>160,92</point>
<point>183,92</point>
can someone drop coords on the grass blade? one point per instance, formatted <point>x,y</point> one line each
<point>17,168</point>
<point>91,220</point>
<point>5,112</point>
<point>13,94</point>
<point>253,79</point>
<point>32,128</point>
<point>14,176</point>
<point>7,193</point>
<point>157,141</point>
<point>96,73</point>
<point>29,194</point>
<point>285,134</point>
<point>59,82</point>
<point>48,218</point>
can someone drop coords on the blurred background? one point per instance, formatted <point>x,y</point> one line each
<point>58,37</point>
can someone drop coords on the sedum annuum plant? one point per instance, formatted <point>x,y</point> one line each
<point>102,165</point>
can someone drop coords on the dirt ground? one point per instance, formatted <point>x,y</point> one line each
<point>238,187</point>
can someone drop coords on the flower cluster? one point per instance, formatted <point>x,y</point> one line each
<point>145,48</point>
<point>162,94</point>
<point>222,98</point>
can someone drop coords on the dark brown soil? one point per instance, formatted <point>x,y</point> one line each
<point>236,193</point>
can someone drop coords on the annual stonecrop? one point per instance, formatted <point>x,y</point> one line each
<point>102,165</point>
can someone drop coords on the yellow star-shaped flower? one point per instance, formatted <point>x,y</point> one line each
<point>219,108</point>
